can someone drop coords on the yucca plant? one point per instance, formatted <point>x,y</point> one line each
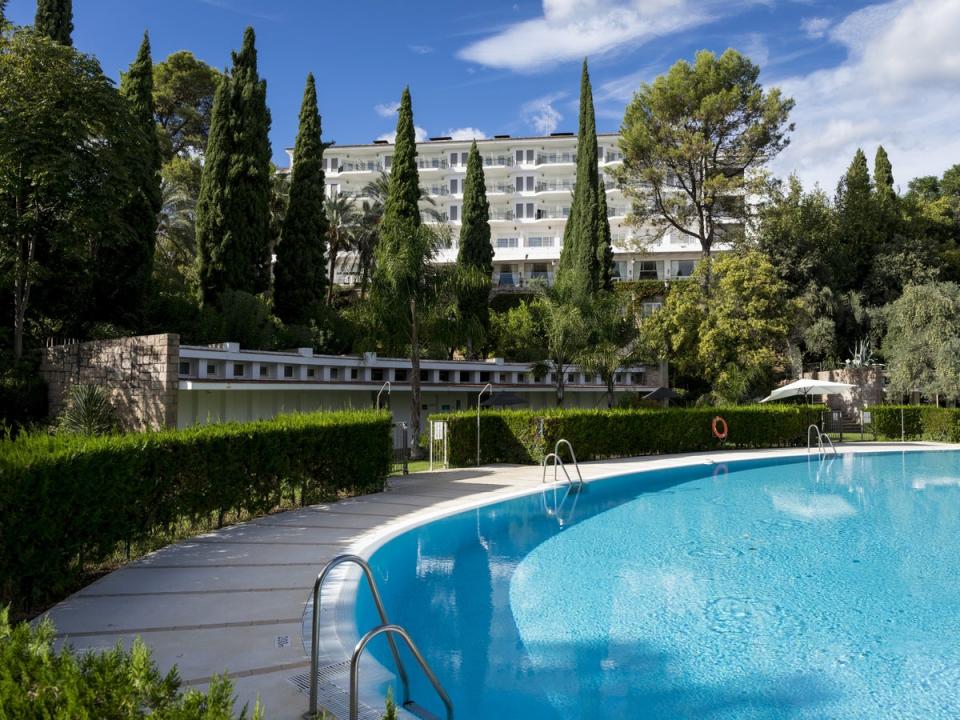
<point>88,412</point>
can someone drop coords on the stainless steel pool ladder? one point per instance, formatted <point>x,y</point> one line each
<point>821,436</point>
<point>385,628</point>
<point>555,458</point>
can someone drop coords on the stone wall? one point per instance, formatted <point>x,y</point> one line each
<point>867,390</point>
<point>140,373</point>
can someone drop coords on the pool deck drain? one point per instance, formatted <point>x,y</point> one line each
<point>233,600</point>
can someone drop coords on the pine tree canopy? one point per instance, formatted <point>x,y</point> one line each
<point>300,270</point>
<point>54,19</point>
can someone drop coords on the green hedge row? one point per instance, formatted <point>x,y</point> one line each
<point>68,500</point>
<point>919,422</point>
<point>525,436</point>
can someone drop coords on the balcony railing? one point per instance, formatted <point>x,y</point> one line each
<point>500,188</point>
<point>437,190</point>
<point>556,158</point>
<point>559,186</point>
<point>497,161</point>
<point>563,213</point>
<point>434,163</point>
<point>501,214</point>
<point>503,280</point>
<point>361,166</point>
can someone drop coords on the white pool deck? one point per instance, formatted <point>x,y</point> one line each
<point>233,600</point>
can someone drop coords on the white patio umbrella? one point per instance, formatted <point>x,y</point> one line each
<point>806,387</point>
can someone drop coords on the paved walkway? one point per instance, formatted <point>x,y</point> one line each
<point>234,599</point>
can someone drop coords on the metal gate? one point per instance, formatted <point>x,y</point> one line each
<point>401,449</point>
<point>439,456</point>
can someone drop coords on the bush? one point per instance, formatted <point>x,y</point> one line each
<point>525,436</point>
<point>23,399</point>
<point>68,500</point>
<point>88,412</point>
<point>919,422</point>
<point>38,682</point>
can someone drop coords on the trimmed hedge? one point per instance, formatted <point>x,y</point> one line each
<point>67,500</point>
<point>920,422</point>
<point>525,436</point>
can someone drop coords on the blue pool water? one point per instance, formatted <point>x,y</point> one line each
<point>788,589</point>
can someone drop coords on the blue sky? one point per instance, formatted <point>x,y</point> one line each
<point>862,73</point>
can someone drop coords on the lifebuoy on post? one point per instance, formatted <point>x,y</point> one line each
<point>717,432</point>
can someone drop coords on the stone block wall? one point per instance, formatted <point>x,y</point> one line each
<point>141,374</point>
<point>867,390</point>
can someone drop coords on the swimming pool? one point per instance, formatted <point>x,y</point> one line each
<point>788,588</point>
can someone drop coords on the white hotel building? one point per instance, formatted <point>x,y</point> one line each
<point>529,183</point>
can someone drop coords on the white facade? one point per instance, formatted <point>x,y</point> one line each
<point>222,382</point>
<point>529,187</point>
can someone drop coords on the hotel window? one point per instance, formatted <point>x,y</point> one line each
<point>334,373</point>
<point>444,376</point>
<point>620,270</point>
<point>388,161</point>
<point>264,371</point>
<point>400,375</point>
<point>524,183</point>
<point>288,371</point>
<point>463,158</point>
<point>211,369</point>
<point>238,369</point>
<point>521,378</point>
<point>331,164</point>
<point>376,374</point>
<point>354,373</point>
<point>311,372</point>
<point>519,156</point>
<point>185,368</point>
<point>571,377</point>
<point>530,156</point>
<point>464,376</point>
<point>484,376</point>
<point>453,159</point>
<point>648,269</point>
<point>424,376</point>
<point>507,242</point>
<point>453,186</point>
<point>649,308</point>
<point>682,268</point>
<point>529,209</point>
<point>538,241</point>
<point>454,213</point>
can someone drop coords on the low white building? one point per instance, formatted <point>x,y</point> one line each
<point>225,382</point>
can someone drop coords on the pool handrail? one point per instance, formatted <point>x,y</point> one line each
<point>314,639</point>
<point>573,455</point>
<point>821,436</point>
<point>391,630</point>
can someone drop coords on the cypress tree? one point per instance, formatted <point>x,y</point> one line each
<point>299,274</point>
<point>476,251</point>
<point>578,260</point>
<point>233,210</point>
<point>856,214</point>
<point>126,272</point>
<point>605,262</point>
<point>54,19</point>
<point>883,179</point>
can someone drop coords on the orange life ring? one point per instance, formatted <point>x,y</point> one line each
<point>717,432</point>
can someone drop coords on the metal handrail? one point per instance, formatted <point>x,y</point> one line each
<point>821,436</point>
<point>390,631</point>
<point>819,441</point>
<point>386,386</point>
<point>826,437</point>
<point>556,460</point>
<point>556,451</point>
<point>314,640</point>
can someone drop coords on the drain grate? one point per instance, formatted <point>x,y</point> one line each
<point>331,679</point>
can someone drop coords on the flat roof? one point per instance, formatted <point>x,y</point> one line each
<point>445,141</point>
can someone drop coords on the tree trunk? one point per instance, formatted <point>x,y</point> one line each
<point>610,398</point>
<point>416,452</point>
<point>21,291</point>
<point>560,377</point>
<point>469,348</point>
<point>333,270</point>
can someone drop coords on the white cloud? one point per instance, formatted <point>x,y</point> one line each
<point>421,49</point>
<point>541,115</point>
<point>420,134</point>
<point>466,133</point>
<point>386,109</point>
<point>815,27</point>
<point>572,29</point>
<point>897,87</point>
<point>754,46</point>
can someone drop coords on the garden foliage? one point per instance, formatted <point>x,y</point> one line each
<point>919,422</point>
<point>67,500</point>
<point>525,436</point>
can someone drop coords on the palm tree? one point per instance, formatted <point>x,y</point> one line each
<point>614,342</point>
<point>341,230</point>
<point>565,331</point>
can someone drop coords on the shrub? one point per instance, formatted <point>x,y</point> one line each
<point>23,399</point>
<point>38,682</point>
<point>88,412</point>
<point>67,500</point>
<point>919,422</point>
<point>525,436</point>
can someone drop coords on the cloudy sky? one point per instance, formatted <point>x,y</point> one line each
<point>862,73</point>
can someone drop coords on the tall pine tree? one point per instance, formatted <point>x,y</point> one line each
<point>54,19</point>
<point>476,251</point>
<point>857,225</point>
<point>125,272</point>
<point>605,261</point>
<point>299,274</point>
<point>233,211</point>
<point>578,270</point>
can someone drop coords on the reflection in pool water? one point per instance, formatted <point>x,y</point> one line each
<point>788,589</point>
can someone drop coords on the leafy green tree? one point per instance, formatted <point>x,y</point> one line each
<point>693,141</point>
<point>54,19</point>
<point>612,344</point>
<point>922,343</point>
<point>578,268</point>
<point>299,273</point>
<point>233,212</point>
<point>606,266</point>
<point>59,192</point>
<point>565,332</point>
<point>123,273</point>
<point>342,226</point>
<point>734,342</point>
<point>402,280</point>
<point>183,92</point>
<point>517,333</point>
<point>175,260</point>
<point>476,250</point>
